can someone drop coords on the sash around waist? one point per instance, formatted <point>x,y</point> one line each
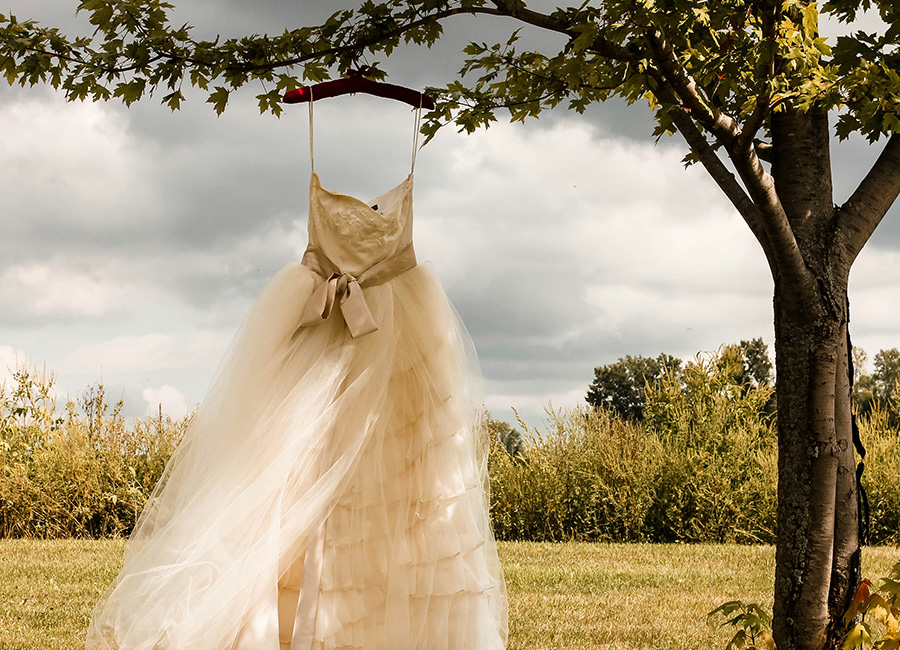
<point>347,289</point>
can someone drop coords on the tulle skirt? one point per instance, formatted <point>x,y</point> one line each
<point>352,471</point>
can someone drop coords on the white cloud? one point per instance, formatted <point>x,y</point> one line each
<point>574,200</point>
<point>564,246</point>
<point>52,291</point>
<point>76,161</point>
<point>568,247</point>
<point>874,306</point>
<point>868,21</point>
<point>148,352</point>
<point>170,399</point>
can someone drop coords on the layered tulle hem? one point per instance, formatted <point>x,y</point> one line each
<point>353,470</point>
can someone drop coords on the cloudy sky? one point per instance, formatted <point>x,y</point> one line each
<point>134,240</point>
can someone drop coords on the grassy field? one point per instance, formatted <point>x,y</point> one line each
<point>573,596</point>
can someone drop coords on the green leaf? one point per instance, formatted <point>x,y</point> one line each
<point>173,100</point>
<point>891,123</point>
<point>738,641</point>
<point>587,34</point>
<point>199,79</point>
<point>811,19</point>
<point>218,98</point>
<point>130,92</point>
<point>892,585</point>
<point>270,102</point>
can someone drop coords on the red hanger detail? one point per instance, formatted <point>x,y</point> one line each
<point>357,84</point>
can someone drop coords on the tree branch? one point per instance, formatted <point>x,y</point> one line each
<point>764,150</point>
<point>723,127</point>
<point>785,251</point>
<point>766,71</point>
<point>367,42</point>
<point>600,45</point>
<point>754,122</point>
<point>770,225</point>
<point>281,63</point>
<point>723,178</point>
<point>520,12</point>
<point>866,207</point>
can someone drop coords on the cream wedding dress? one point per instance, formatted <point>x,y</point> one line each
<point>332,489</point>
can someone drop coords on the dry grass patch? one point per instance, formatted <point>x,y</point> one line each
<point>577,596</point>
<point>48,589</point>
<point>636,596</point>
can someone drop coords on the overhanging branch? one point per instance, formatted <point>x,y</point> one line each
<point>759,204</point>
<point>194,60</point>
<point>764,150</point>
<point>537,19</point>
<point>721,125</point>
<point>723,177</point>
<point>866,207</point>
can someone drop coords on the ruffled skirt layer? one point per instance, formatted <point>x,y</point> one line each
<point>350,470</point>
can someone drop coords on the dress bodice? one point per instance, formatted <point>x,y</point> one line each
<point>355,234</point>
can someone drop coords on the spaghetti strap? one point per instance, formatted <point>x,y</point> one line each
<point>312,162</point>
<point>415,147</point>
<point>417,125</point>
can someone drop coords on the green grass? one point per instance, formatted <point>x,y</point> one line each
<point>628,595</point>
<point>574,596</point>
<point>48,589</point>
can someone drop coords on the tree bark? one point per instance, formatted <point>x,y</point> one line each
<point>817,553</point>
<point>846,566</point>
<point>817,538</point>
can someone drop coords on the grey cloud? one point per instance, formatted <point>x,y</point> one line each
<point>523,305</point>
<point>224,201</point>
<point>851,160</point>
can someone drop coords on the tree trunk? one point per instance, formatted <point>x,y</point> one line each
<point>817,554</point>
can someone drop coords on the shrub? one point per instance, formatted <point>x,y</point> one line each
<point>880,478</point>
<point>719,481</point>
<point>586,479</point>
<point>84,473</point>
<point>701,467</point>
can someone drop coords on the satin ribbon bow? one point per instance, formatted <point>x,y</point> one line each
<point>346,289</point>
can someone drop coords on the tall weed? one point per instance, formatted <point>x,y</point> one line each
<point>881,478</point>
<point>718,484</point>
<point>82,472</point>
<point>584,479</point>
<point>701,468</point>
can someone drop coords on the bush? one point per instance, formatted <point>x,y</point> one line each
<point>719,481</point>
<point>587,479</point>
<point>701,468</point>
<point>881,478</point>
<point>83,473</point>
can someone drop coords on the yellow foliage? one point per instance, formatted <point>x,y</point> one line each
<point>857,636</point>
<point>890,641</point>
<point>84,472</point>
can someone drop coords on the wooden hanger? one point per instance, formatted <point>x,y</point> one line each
<point>357,83</point>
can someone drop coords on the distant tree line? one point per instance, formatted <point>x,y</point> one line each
<point>621,386</point>
<point>877,391</point>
